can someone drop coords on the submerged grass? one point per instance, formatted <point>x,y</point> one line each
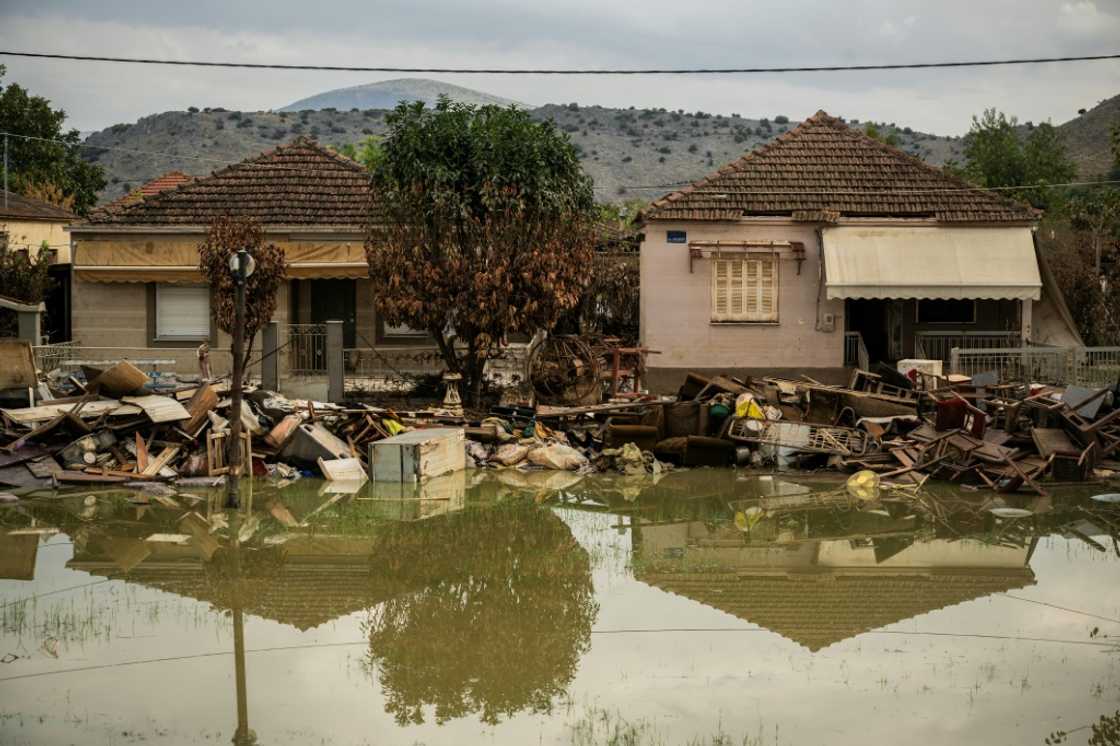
<point>600,727</point>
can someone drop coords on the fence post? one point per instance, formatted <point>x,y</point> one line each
<point>270,363</point>
<point>29,322</point>
<point>335,381</point>
<point>955,360</point>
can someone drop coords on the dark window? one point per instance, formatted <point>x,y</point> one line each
<point>937,311</point>
<point>676,236</point>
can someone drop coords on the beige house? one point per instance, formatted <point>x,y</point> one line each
<point>826,248</point>
<point>28,224</point>
<point>136,278</point>
<point>31,226</point>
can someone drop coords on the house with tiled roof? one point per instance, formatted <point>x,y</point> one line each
<point>826,247</point>
<point>169,180</point>
<point>31,225</point>
<point>136,277</point>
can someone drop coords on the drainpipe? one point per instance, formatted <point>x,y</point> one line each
<point>820,277</point>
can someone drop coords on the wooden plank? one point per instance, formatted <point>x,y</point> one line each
<point>205,399</point>
<point>17,364</point>
<point>161,460</point>
<point>141,453</point>
<point>46,412</point>
<point>159,408</point>
<point>82,477</point>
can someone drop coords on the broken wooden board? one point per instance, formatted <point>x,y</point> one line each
<point>1050,441</point>
<point>343,469</point>
<point>17,364</point>
<point>159,408</point>
<point>46,412</point>
<point>163,459</point>
<point>200,405</point>
<point>122,378</point>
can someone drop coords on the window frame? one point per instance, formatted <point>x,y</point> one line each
<point>175,340</point>
<point>771,319</point>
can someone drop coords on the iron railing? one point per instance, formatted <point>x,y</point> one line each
<point>939,345</point>
<point>855,351</point>
<point>307,349</point>
<point>69,357</point>
<point>1085,366</point>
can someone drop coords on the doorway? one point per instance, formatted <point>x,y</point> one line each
<point>871,317</point>
<point>336,300</point>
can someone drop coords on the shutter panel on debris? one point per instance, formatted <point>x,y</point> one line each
<point>745,289</point>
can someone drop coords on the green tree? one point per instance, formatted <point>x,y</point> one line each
<point>368,152</point>
<point>483,227</point>
<point>888,138</point>
<point>997,156</point>
<point>54,158</point>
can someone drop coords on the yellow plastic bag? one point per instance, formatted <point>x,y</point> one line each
<point>746,406</point>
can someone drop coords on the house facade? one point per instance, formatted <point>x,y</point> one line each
<point>32,226</point>
<point>826,248</point>
<point>136,277</point>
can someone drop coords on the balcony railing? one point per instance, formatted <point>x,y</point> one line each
<point>939,345</point>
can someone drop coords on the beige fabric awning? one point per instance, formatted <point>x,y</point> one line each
<point>931,262</point>
<point>175,260</point>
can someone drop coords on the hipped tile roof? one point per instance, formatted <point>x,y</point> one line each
<point>25,208</point>
<point>823,170</point>
<point>300,183</point>
<point>169,180</point>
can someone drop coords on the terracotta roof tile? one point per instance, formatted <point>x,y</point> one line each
<point>169,180</point>
<point>26,208</point>
<point>300,183</point>
<point>823,170</point>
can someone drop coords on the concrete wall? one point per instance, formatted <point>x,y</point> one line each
<point>31,234</point>
<point>676,313</point>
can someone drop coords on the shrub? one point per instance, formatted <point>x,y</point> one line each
<point>781,119</point>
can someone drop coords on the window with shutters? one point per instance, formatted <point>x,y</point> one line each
<point>745,289</point>
<point>182,312</point>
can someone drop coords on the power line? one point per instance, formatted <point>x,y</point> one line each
<point>562,71</point>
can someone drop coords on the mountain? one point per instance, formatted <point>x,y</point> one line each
<point>386,94</point>
<point>1087,138</point>
<point>631,153</point>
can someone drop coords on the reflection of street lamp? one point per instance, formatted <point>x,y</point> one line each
<point>241,264</point>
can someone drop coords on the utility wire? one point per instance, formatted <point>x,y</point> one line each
<point>563,71</point>
<point>637,630</point>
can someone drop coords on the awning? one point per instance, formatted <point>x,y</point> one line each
<point>930,262</point>
<point>175,260</point>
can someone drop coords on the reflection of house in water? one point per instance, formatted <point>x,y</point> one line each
<point>17,556</point>
<point>819,584</point>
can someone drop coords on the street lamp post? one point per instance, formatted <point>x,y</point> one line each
<point>241,264</point>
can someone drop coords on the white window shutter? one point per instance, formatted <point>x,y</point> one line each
<point>720,288</point>
<point>182,312</point>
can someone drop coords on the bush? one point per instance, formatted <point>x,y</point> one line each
<point>664,149</point>
<point>235,115</point>
<point>192,109</point>
<point>781,119</point>
<point>626,159</point>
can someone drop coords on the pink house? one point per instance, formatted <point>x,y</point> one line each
<point>825,249</point>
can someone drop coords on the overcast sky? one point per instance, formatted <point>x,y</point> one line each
<point>578,33</point>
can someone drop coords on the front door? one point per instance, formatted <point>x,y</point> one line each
<point>336,300</point>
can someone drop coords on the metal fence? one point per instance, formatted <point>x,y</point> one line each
<point>855,351</point>
<point>307,349</point>
<point>1083,366</point>
<point>69,357</point>
<point>939,345</point>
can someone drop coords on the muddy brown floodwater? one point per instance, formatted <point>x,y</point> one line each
<point>712,607</point>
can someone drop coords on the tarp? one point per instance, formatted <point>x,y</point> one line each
<point>930,262</point>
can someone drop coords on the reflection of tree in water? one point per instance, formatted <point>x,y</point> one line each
<point>1104,732</point>
<point>489,612</point>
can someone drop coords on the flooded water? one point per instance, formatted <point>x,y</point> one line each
<point>709,608</point>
